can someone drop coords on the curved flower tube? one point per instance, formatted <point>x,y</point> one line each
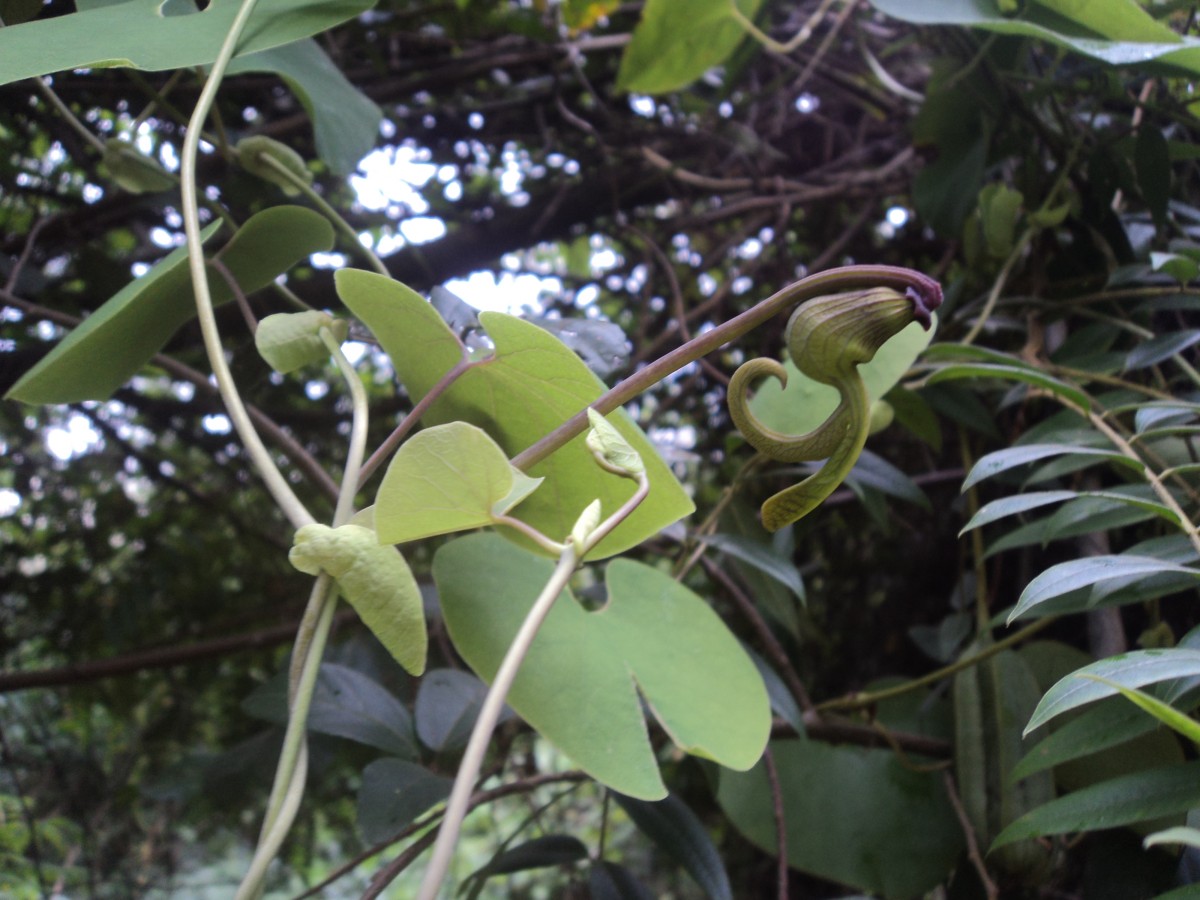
<point>827,339</point>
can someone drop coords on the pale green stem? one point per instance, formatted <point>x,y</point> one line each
<point>293,759</point>
<point>998,286</point>
<point>493,704</point>
<point>65,111</point>
<point>281,492</point>
<point>489,714</point>
<point>288,788</point>
<point>358,430</point>
<point>862,701</point>
<point>550,546</point>
<point>797,40</point>
<point>831,281</point>
<point>330,213</point>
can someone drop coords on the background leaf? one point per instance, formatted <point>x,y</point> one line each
<point>136,34</point>
<point>121,336</point>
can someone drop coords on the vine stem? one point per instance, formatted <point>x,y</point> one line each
<point>281,492</point>
<point>336,219</point>
<point>572,554</point>
<point>489,714</point>
<point>861,701</point>
<point>925,292</point>
<point>292,768</point>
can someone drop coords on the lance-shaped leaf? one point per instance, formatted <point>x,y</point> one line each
<point>1002,460</point>
<point>1139,797</point>
<point>138,35</point>
<point>122,335</point>
<point>374,579</point>
<point>1062,579</point>
<point>1134,669</point>
<point>451,477</point>
<point>531,385</point>
<point>580,683</point>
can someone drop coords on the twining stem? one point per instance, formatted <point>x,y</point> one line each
<point>925,291</point>
<point>292,769</point>
<point>358,430</point>
<point>281,492</point>
<point>489,714</point>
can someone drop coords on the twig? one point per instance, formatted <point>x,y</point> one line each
<point>973,853</point>
<point>781,842</point>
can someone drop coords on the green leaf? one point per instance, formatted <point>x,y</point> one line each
<point>856,816</point>
<point>1158,349</point>
<point>1118,32</point>
<point>109,347</point>
<point>345,121</point>
<point>675,43</point>
<point>448,478</point>
<point>345,703</point>
<point>1165,713</point>
<point>393,793</point>
<point>609,881</point>
<point>539,853</point>
<point>257,153</point>
<point>1132,669</point>
<point>446,708</point>
<point>762,557</point>
<point>133,171</point>
<point>374,579</point>
<point>957,371</point>
<point>1152,160</point>
<point>805,403</point>
<point>676,830</point>
<point>1063,578</point>
<point>1109,723</point>
<point>290,341</point>
<point>580,683</point>
<point>1000,461</point>
<point>138,35</point>
<point>610,449</point>
<point>1013,506</point>
<point>1139,797</point>
<point>531,385</point>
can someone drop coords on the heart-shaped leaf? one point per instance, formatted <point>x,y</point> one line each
<point>122,335</point>
<point>579,685</point>
<point>531,385</point>
<point>451,477</point>
<point>860,816</point>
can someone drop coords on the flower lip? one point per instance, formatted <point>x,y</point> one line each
<point>925,299</point>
